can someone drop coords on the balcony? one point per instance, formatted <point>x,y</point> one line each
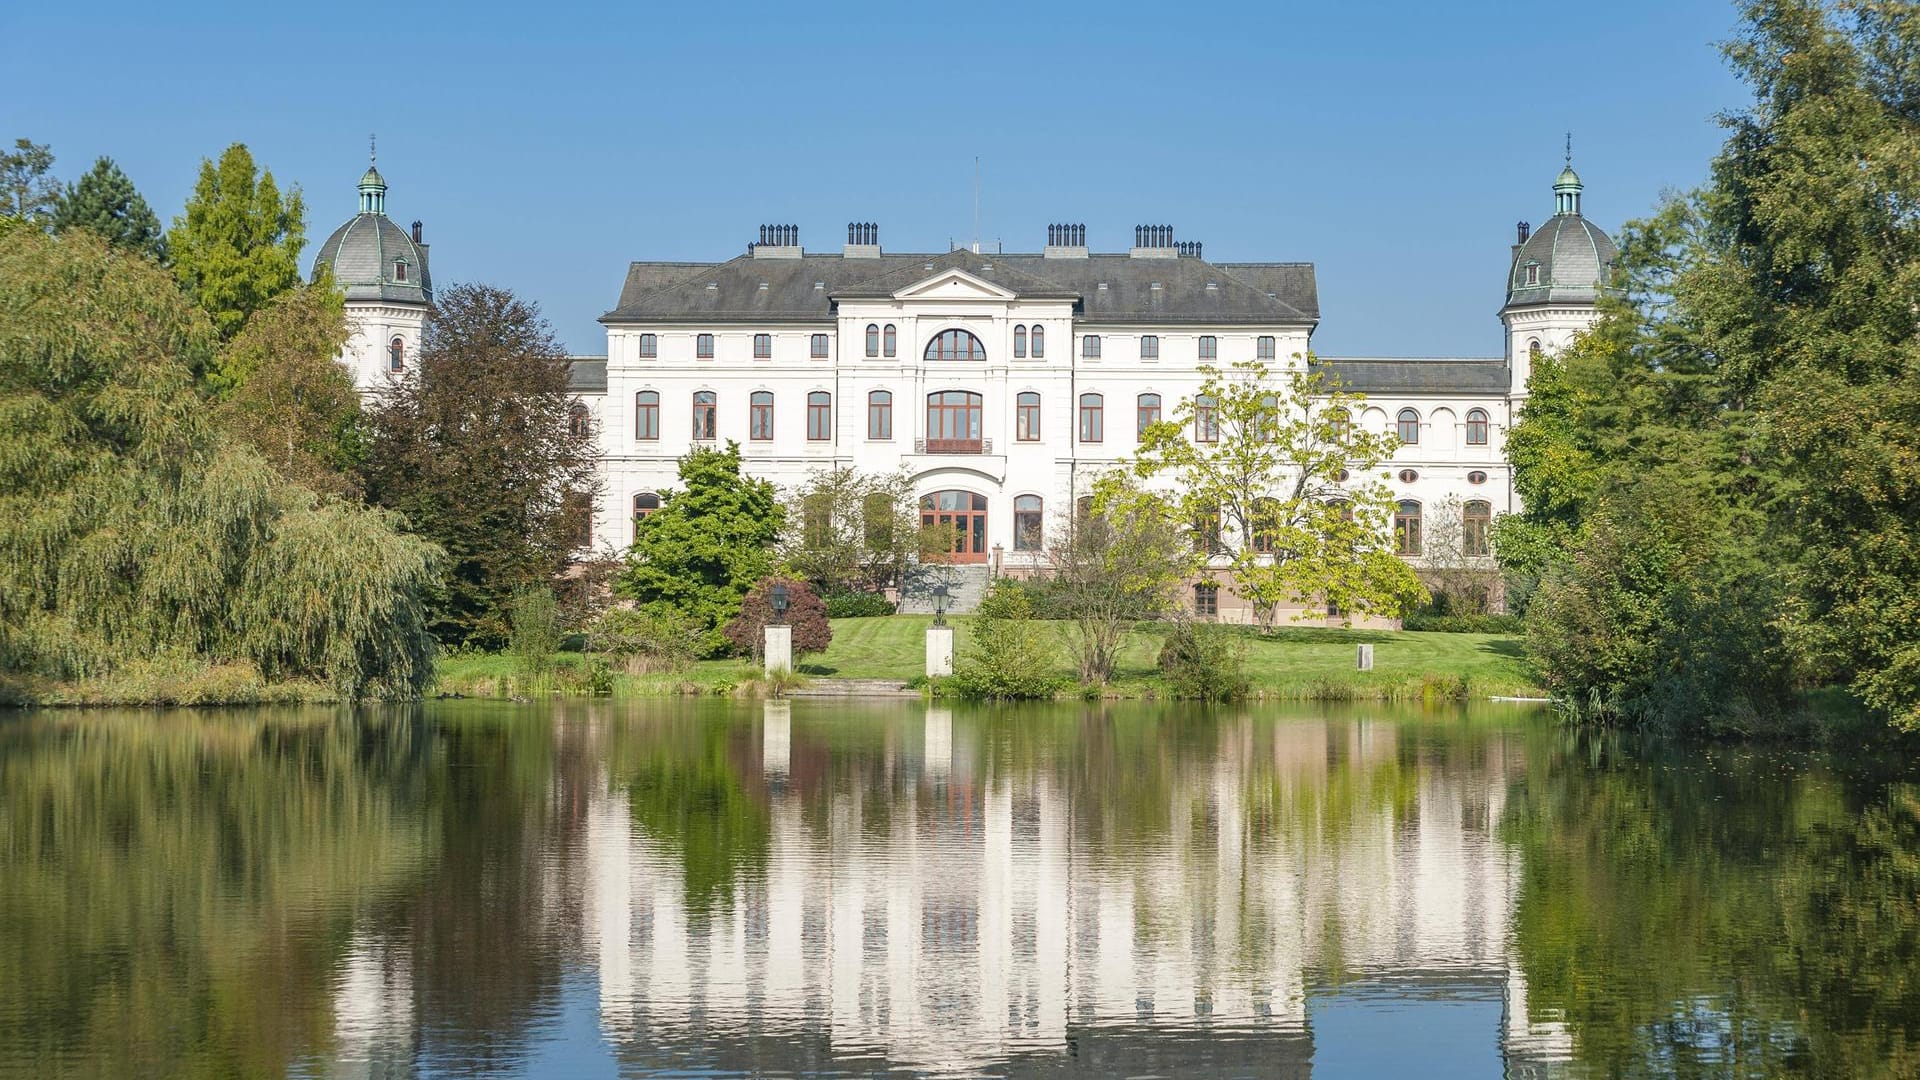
<point>953,446</point>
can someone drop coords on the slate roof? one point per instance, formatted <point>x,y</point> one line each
<point>1410,375</point>
<point>804,289</point>
<point>1575,258</point>
<point>362,252</point>
<point>587,374</point>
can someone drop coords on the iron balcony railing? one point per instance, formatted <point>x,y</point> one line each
<point>953,446</point>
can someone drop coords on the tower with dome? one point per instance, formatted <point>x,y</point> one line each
<point>1555,281</point>
<point>382,271</point>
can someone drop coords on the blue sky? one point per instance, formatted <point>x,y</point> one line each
<point>547,145</point>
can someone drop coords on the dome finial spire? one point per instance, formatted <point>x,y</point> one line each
<point>1567,186</point>
<point>371,155</point>
<point>1569,149</point>
<point>373,187</point>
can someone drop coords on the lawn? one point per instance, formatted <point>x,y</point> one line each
<point>1305,663</point>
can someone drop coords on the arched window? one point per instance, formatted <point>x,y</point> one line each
<point>645,503</point>
<point>1339,425</point>
<point>819,416</point>
<point>955,345</point>
<point>646,416</point>
<point>1039,342</point>
<point>953,422</point>
<point>879,415</point>
<point>399,269</point>
<point>1027,523</point>
<point>1409,427</point>
<point>1026,417</point>
<point>1266,525</point>
<point>1207,536</point>
<point>1406,528</point>
<point>873,339</point>
<point>706,419</point>
<point>396,355</point>
<point>1476,427</point>
<point>1269,418</point>
<point>577,420</point>
<point>1019,343</point>
<point>1093,425</point>
<point>1206,419</point>
<point>760,416</point>
<point>1083,507</point>
<point>1476,528</point>
<point>1146,412</point>
<point>891,339</point>
<point>1533,350</point>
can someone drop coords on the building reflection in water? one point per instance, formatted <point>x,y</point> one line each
<point>960,905</point>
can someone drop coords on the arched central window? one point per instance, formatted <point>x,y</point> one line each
<point>953,422</point>
<point>1026,417</point>
<point>1476,427</point>
<point>955,345</point>
<point>879,415</point>
<point>819,416</point>
<point>396,355</point>
<point>1093,425</point>
<point>1409,427</point>
<point>645,503</point>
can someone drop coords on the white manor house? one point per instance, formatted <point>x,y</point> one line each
<point>1003,382</point>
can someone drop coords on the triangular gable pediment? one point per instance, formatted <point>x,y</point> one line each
<point>953,284</point>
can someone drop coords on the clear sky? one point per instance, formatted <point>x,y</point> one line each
<point>546,145</point>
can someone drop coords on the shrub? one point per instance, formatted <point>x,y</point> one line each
<point>1010,654</point>
<point>1465,624</point>
<point>856,605</point>
<point>806,614</point>
<point>535,635</point>
<point>1204,661</point>
<point>599,676</point>
<point>645,640</point>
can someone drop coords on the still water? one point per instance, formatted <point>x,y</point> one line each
<point>673,888</point>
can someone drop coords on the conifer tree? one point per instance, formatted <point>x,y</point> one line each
<point>105,201</point>
<point>238,244</point>
<point>27,191</point>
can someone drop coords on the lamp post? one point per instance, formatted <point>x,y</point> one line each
<point>940,605</point>
<point>777,635</point>
<point>939,637</point>
<point>779,594</point>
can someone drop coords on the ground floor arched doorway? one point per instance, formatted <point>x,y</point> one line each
<point>966,514</point>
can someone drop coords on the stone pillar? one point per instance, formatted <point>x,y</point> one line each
<point>1365,662</point>
<point>779,649</point>
<point>939,651</point>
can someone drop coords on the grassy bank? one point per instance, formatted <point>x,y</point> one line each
<point>1294,663</point>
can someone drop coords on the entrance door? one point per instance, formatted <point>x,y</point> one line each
<point>963,512</point>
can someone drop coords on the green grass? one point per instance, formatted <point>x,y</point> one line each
<point>1303,663</point>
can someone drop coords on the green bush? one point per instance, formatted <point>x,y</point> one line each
<point>645,640</point>
<point>536,629</point>
<point>857,605</point>
<point>599,677</point>
<point>1205,661</point>
<point>1465,624</point>
<point>1011,654</point>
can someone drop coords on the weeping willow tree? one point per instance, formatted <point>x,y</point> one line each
<point>133,527</point>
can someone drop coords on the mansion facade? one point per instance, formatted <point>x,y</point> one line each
<point>1001,383</point>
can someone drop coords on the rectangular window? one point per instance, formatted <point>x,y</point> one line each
<point>819,346</point>
<point>1092,418</point>
<point>1026,417</point>
<point>819,416</point>
<point>880,415</point>
<point>705,415</point>
<point>703,347</point>
<point>760,417</point>
<point>1206,600</point>
<point>1206,419</point>
<point>649,346</point>
<point>1146,413</point>
<point>646,416</point>
<point>1090,346</point>
<point>1149,346</point>
<point>1209,347</point>
<point>1263,350</point>
<point>763,346</point>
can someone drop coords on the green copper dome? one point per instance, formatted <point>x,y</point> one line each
<point>371,258</point>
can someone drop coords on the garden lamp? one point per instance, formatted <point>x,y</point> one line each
<point>940,605</point>
<point>779,594</point>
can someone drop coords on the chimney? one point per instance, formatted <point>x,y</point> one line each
<point>1153,242</point>
<point>1525,230</point>
<point>777,242</point>
<point>416,232</point>
<point>863,240</point>
<point>1066,242</point>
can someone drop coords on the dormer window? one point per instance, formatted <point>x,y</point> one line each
<point>1533,273</point>
<point>399,269</point>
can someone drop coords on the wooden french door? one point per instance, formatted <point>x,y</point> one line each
<point>966,514</point>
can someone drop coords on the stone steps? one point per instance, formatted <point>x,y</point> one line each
<point>828,688</point>
<point>966,585</point>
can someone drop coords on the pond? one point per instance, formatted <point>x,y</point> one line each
<point>633,889</point>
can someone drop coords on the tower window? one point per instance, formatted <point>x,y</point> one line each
<point>396,355</point>
<point>399,269</point>
<point>1533,273</point>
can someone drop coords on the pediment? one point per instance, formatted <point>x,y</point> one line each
<point>952,284</point>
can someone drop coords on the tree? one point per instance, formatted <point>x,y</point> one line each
<point>535,637</point>
<point>707,544</point>
<point>289,398</point>
<point>238,244</point>
<point>1268,474</point>
<point>27,192</point>
<point>1455,558</point>
<point>806,613</point>
<point>1113,567</point>
<point>478,451</point>
<point>134,528</point>
<point>854,531</point>
<point>1009,654</point>
<point>105,201</point>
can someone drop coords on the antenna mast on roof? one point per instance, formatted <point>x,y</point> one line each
<point>976,204</point>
